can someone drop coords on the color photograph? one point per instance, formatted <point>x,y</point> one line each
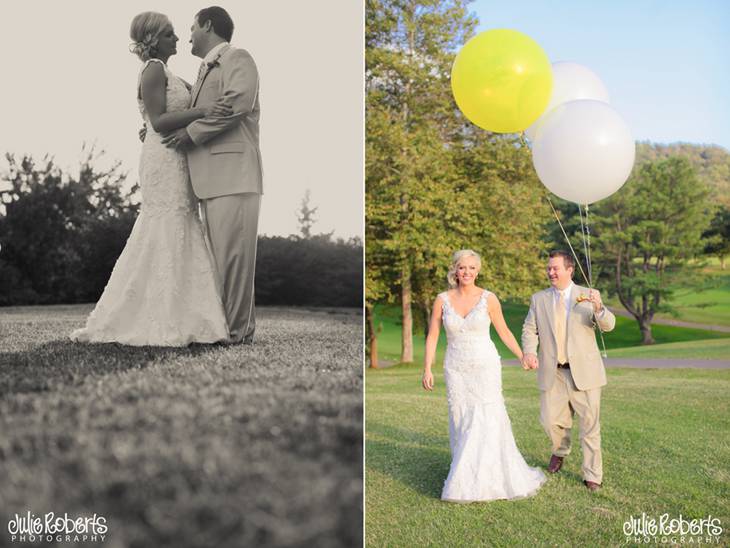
<point>547,295</point>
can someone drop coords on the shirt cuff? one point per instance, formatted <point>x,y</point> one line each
<point>602,313</point>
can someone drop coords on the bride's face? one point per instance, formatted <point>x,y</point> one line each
<point>167,42</point>
<point>467,270</point>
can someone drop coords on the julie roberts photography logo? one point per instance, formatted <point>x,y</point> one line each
<point>672,530</point>
<point>52,527</point>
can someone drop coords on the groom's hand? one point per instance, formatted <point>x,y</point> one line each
<point>179,139</point>
<point>594,296</point>
<point>529,361</point>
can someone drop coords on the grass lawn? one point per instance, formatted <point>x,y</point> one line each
<point>201,446</point>
<point>665,450</point>
<point>714,349</point>
<point>624,336</point>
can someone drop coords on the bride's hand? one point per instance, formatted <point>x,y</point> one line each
<point>427,380</point>
<point>218,109</point>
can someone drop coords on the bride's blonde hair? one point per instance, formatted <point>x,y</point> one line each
<point>145,29</point>
<point>455,260</point>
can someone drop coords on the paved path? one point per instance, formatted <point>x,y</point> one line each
<point>654,363</point>
<point>677,323</point>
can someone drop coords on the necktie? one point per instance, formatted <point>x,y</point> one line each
<point>198,83</point>
<point>560,329</point>
<point>201,71</point>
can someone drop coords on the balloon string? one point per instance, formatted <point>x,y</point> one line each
<point>586,231</point>
<point>547,196</point>
<point>583,228</point>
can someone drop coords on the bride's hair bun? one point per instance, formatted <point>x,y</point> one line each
<point>144,31</point>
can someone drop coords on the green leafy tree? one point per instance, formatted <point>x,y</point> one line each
<point>409,52</point>
<point>648,232</point>
<point>434,182</point>
<point>718,236</point>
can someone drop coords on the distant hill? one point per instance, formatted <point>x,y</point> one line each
<point>711,161</point>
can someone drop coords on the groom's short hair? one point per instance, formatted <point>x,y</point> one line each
<point>567,258</point>
<point>219,19</point>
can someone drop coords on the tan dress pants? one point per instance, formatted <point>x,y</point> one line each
<point>231,223</point>
<point>557,407</point>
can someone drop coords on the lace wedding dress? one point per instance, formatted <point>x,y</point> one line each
<point>485,461</point>
<point>162,291</point>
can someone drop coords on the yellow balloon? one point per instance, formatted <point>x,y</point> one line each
<point>502,80</point>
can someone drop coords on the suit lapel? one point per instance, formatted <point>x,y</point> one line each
<point>211,65</point>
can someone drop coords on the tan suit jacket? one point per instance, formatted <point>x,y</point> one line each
<point>586,365</point>
<point>227,159</point>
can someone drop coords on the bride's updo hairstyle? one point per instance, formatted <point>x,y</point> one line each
<point>145,29</point>
<point>455,260</point>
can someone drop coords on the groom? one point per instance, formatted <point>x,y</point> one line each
<point>570,370</point>
<point>225,163</point>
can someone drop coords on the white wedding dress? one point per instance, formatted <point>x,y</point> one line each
<point>485,461</point>
<point>162,291</point>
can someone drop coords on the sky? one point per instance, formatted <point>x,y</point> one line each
<point>666,64</point>
<point>69,78</point>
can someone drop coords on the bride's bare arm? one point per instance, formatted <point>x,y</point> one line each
<point>153,89</point>
<point>432,340</point>
<point>500,326</point>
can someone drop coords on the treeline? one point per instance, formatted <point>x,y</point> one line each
<point>61,234</point>
<point>435,183</point>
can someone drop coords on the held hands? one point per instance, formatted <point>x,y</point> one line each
<point>529,361</point>
<point>218,109</point>
<point>427,380</point>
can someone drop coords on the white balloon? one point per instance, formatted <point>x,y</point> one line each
<point>583,151</point>
<point>571,82</point>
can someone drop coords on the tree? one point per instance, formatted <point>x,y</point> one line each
<point>718,236</point>
<point>305,216</point>
<point>434,182</point>
<point>648,231</point>
<point>409,51</point>
<point>61,234</point>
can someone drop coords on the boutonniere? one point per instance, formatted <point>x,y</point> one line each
<point>211,64</point>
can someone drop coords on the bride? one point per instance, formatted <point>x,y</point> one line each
<point>163,289</point>
<point>485,461</point>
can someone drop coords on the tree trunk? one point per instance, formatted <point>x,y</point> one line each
<point>646,336</point>
<point>406,355</point>
<point>372,337</point>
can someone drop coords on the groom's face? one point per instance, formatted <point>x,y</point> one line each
<point>558,275</point>
<point>196,37</point>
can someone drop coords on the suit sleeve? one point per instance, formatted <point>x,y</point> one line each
<point>606,321</point>
<point>240,89</point>
<point>529,330</point>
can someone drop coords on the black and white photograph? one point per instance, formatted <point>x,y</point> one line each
<point>181,274</point>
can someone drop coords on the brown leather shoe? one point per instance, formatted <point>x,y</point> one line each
<point>555,464</point>
<point>592,485</point>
